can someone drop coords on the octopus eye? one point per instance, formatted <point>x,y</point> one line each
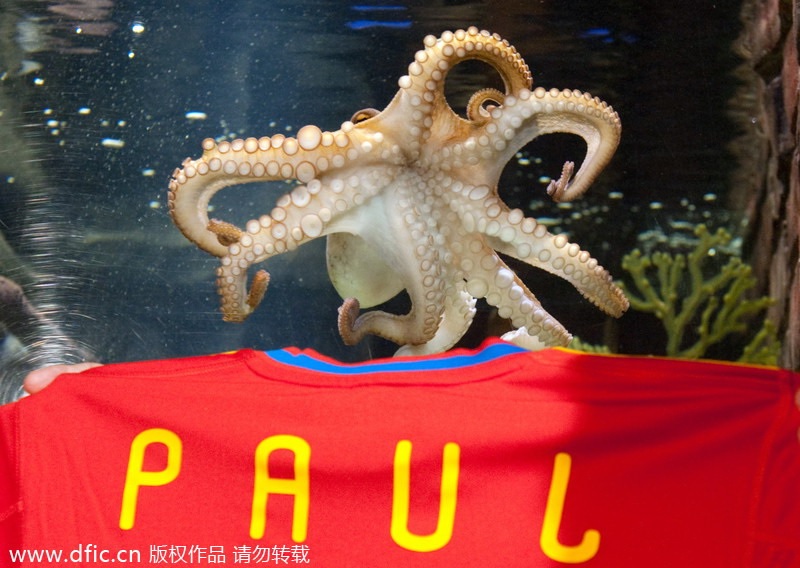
<point>364,114</point>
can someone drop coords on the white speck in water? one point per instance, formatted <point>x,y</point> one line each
<point>196,115</point>
<point>114,143</point>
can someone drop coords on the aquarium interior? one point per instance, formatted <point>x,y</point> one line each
<point>100,101</point>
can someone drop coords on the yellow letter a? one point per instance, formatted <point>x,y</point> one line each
<point>297,486</point>
<point>553,513</point>
<point>401,500</point>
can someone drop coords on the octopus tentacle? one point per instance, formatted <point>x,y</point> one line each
<point>398,328</point>
<point>476,111</point>
<point>432,63</point>
<point>526,116</point>
<point>492,279</point>
<point>258,289</point>
<point>418,327</point>
<point>555,254</point>
<point>346,321</point>
<point>508,231</point>
<point>364,114</point>
<point>419,267</point>
<point>423,86</point>
<point>237,302</point>
<point>542,111</point>
<point>305,157</point>
<point>307,212</point>
<point>459,311</point>
<point>227,233</point>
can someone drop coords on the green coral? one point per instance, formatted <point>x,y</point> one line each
<point>579,345</point>
<point>693,304</point>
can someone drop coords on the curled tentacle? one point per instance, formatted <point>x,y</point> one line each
<point>558,188</point>
<point>443,53</point>
<point>544,112</point>
<point>257,289</point>
<point>459,311</point>
<point>403,329</point>
<point>364,114</point>
<point>346,322</point>
<point>227,233</point>
<point>424,84</point>
<point>476,111</point>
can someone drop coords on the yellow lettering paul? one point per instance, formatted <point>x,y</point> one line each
<point>136,477</point>
<point>401,500</point>
<point>297,486</point>
<point>553,514</point>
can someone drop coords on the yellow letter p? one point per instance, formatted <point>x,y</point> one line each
<point>136,477</point>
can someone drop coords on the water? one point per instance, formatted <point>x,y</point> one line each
<point>101,102</point>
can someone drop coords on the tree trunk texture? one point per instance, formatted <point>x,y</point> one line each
<point>766,186</point>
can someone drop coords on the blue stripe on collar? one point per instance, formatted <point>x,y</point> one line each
<point>399,365</point>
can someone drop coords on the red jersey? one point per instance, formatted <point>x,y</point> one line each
<point>492,457</point>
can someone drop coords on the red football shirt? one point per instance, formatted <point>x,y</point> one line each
<point>492,457</point>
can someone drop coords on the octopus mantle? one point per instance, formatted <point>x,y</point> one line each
<point>407,198</point>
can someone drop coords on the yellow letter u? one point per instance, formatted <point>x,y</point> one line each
<point>401,500</point>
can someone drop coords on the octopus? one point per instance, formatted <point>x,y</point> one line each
<point>407,199</point>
